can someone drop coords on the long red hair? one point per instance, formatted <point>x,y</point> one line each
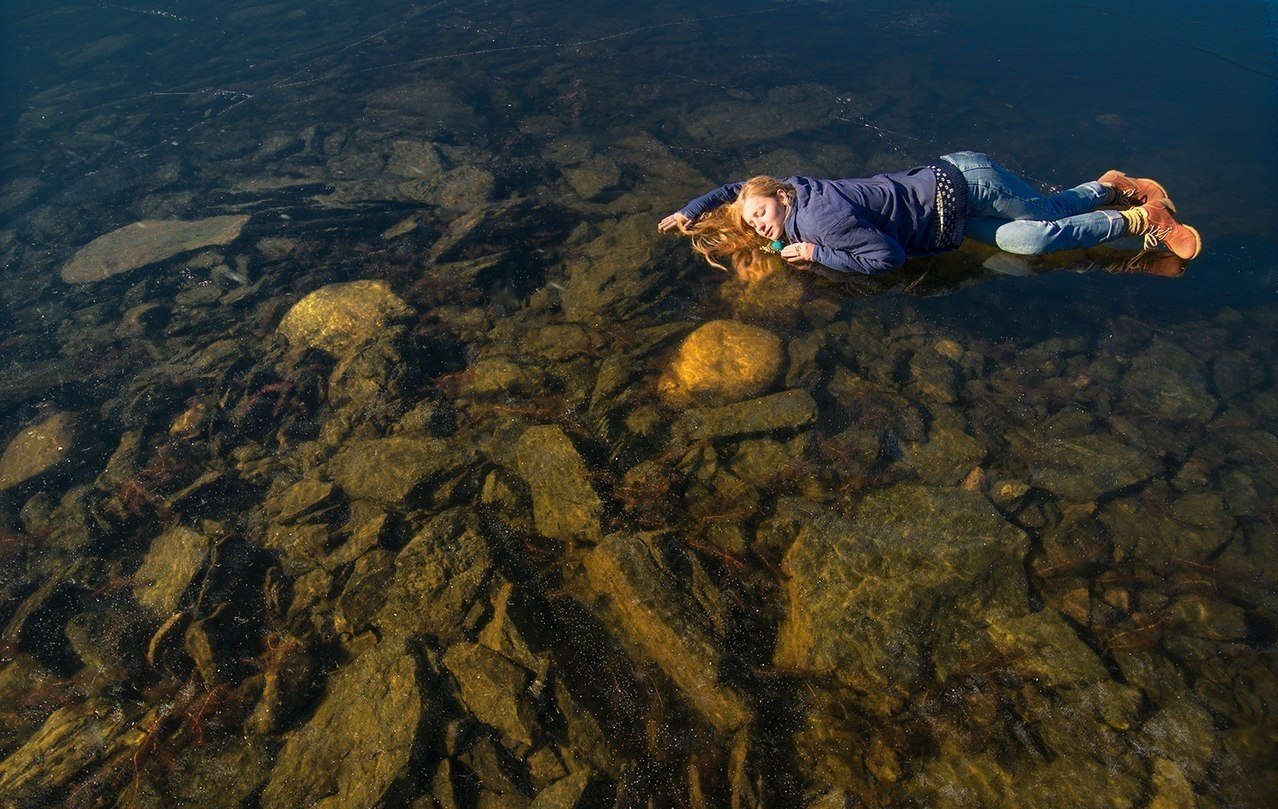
<point>723,233</point>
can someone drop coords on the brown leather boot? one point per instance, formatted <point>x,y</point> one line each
<point>1155,222</point>
<point>1135,191</point>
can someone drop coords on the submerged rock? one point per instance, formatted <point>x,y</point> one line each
<point>948,455</point>
<point>788,410</point>
<point>1089,466</point>
<point>960,777</point>
<point>340,317</point>
<point>881,601</point>
<point>592,176</point>
<point>1159,527</point>
<point>937,373</point>
<point>285,681</point>
<point>421,172</point>
<point>302,501</point>
<point>564,793</point>
<point>618,275</point>
<point>20,678</point>
<point>147,242</point>
<point>662,622</point>
<point>38,449</point>
<point>1182,732</point>
<point>70,740</point>
<point>439,575</point>
<point>1167,380</point>
<point>787,109</point>
<point>176,556</point>
<point>223,774</point>
<point>1044,648</point>
<point>565,505</point>
<point>722,362</point>
<point>495,691</point>
<point>359,744</point>
<point>396,469</point>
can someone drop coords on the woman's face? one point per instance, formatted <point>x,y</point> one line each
<point>765,214</point>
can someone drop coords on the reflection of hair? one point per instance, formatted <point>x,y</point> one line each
<point>722,232</point>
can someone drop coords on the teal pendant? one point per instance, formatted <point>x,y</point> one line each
<point>776,245</point>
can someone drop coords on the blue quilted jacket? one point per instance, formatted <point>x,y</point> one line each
<point>866,225</point>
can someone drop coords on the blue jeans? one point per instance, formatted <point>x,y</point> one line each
<point>1004,211</point>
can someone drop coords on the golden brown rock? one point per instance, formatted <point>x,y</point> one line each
<point>565,505</point>
<point>340,317</point>
<point>176,556</point>
<point>191,421</point>
<point>37,449</point>
<point>71,739</point>
<point>722,362</point>
<point>147,242</point>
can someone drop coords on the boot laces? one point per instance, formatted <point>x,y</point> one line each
<point>1157,234</point>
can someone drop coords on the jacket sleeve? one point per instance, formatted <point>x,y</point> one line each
<point>708,202</point>
<point>857,246</point>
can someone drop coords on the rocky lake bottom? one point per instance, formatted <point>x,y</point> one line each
<point>380,452</point>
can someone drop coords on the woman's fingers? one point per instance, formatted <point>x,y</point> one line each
<point>672,222</point>
<point>797,252</point>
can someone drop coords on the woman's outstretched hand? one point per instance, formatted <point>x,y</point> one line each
<point>799,254</point>
<point>674,221</point>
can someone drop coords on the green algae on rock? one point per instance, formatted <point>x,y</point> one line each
<point>147,242</point>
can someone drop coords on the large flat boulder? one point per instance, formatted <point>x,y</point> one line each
<point>394,470</point>
<point>901,592</point>
<point>565,505</point>
<point>147,242</point>
<point>358,745</point>
<point>1086,467</point>
<point>37,449</point>
<point>660,621</point>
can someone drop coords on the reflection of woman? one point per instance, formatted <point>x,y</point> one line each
<point>874,224</point>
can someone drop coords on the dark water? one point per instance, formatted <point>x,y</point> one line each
<point>1006,538</point>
